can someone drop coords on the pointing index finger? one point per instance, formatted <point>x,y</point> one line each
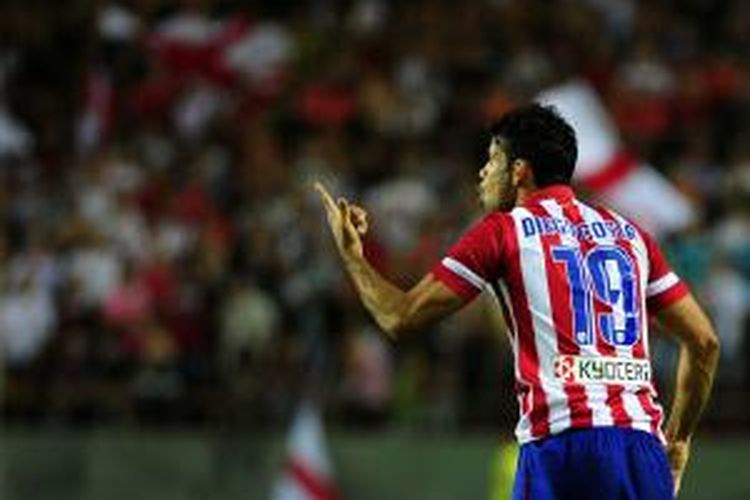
<point>325,196</point>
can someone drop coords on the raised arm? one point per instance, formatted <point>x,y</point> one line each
<point>396,311</point>
<point>393,309</point>
<point>699,356</point>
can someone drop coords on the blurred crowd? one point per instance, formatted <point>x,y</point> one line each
<point>164,261</point>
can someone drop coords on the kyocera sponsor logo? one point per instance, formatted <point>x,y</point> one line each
<point>582,369</point>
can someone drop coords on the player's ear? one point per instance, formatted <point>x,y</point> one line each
<point>521,172</point>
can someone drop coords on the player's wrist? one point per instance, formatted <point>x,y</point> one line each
<point>352,260</point>
<point>676,439</point>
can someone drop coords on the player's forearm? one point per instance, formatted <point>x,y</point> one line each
<point>695,375</point>
<point>386,302</point>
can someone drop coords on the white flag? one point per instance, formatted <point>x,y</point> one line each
<point>614,175</point>
<point>307,471</point>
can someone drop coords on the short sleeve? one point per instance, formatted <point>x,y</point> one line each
<point>475,259</point>
<point>664,286</point>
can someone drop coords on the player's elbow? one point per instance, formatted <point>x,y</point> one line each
<point>706,345</point>
<point>711,346</point>
<point>411,313</point>
<point>392,329</point>
<point>401,322</point>
<point>395,327</point>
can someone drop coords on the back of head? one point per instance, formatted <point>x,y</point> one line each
<point>539,135</point>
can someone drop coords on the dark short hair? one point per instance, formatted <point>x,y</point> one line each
<point>539,135</point>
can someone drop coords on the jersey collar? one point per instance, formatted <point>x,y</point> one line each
<point>559,192</point>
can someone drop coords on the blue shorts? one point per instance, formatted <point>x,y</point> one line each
<point>601,463</point>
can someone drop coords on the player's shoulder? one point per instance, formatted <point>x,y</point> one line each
<point>496,217</point>
<point>630,228</point>
<point>491,230</point>
<point>499,223</point>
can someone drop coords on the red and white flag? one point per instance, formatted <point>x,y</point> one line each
<point>614,175</point>
<point>307,471</point>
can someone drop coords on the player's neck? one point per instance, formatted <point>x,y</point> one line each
<point>524,192</point>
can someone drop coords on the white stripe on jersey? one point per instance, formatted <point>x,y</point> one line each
<point>534,273</point>
<point>464,272</point>
<point>662,284</point>
<point>601,415</point>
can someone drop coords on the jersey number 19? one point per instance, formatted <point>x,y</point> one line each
<point>606,274</point>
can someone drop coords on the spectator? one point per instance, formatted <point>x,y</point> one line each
<point>156,235</point>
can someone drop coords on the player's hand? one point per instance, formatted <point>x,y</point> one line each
<point>348,222</point>
<point>678,453</point>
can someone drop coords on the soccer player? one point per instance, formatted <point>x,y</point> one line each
<point>577,284</point>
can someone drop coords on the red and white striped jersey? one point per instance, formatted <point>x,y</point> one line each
<point>577,284</point>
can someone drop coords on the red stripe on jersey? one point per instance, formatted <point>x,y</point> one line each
<point>528,359</point>
<point>614,400</point>
<point>459,285</point>
<point>524,396</point>
<point>614,393</point>
<point>522,391</point>
<point>655,412</point>
<point>562,317</point>
<point>672,295</point>
<point>659,268</point>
